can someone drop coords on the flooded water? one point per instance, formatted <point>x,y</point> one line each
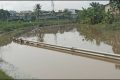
<point>21,61</point>
<point>77,37</point>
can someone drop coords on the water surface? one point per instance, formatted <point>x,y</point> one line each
<point>27,62</point>
<point>77,37</point>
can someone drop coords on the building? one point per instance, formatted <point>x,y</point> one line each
<point>108,8</point>
<point>22,15</point>
<point>13,15</point>
<point>47,15</point>
<point>25,15</point>
<point>73,13</point>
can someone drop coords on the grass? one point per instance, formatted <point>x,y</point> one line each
<point>114,26</point>
<point>11,26</point>
<point>16,25</point>
<point>4,76</point>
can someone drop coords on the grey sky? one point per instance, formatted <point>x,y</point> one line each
<point>46,5</point>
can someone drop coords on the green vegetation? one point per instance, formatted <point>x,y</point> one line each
<point>96,14</point>
<point>10,26</point>
<point>67,14</point>
<point>37,11</point>
<point>101,33</point>
<point>17,25</point>
<point>8,23</point>
<point>4,76</point>
<point>115,26</point>
<point>92,15</point>
<point>4,14</point>
<point>115,4</point>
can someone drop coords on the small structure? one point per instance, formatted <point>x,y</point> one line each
<point>22,15</point>
<point>47,15</point>
<point>73,13</point>
<point>108,8</point>
<point>13,15</point>
<point>25,15</point>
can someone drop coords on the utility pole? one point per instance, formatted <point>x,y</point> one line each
<point>52,4</point>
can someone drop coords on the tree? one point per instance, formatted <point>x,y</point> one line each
<point>67,13</point>
<point>4,14</point>
<point>93,14</point>
<point>83,16</point>
<point>33,17</point>
<point>94,5</point>
<point>98,12</point>
<point>37,11</point>
<point>115,4</point>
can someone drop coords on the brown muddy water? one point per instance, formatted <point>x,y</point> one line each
<point>26,62</point>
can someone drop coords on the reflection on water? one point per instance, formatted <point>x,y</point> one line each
<point>117,66</point>
<point>13,71</point>
<point>5,39</point>
<point>43,64</point>
<point>111,38</point>
<point>10,69</point>
<point>83,37</point>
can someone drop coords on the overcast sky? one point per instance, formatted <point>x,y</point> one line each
<point>46,5</point>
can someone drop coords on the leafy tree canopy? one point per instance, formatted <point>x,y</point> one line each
<point>4,14</point>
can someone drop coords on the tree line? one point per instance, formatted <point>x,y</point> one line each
<point>4,14</point>
<point>96,13</point>
<point>36,14</point>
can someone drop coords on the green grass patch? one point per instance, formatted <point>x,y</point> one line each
<point>16,25</point>
<point>4,76</point>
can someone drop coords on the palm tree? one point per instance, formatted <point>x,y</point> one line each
<point>37,11</point>
<point>94,4</point>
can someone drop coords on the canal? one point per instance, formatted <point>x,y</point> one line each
<point>22,61</point>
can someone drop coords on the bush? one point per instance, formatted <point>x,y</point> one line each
<point>114,26</point>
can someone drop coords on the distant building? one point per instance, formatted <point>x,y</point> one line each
<point>108,8</point>
<point>47,15</point>
<point>25,15</point>
<point>28,15</point>
<point>22,15</point>
<point>13,15</point>
<point>73,13</point>
<point>60,14</point>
